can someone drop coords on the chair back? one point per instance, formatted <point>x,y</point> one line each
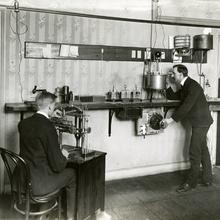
<point>18,173</point>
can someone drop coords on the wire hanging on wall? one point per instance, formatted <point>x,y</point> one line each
<point>158,18</point>
<point>18,24</point>
<point>155,25</point>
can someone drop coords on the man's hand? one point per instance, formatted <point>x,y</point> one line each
<point>57,113</point>
<point>65,153</point>
<point>165,122</point>
<point>170,81</point>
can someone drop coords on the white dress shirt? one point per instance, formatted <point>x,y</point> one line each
<point>183,80</point>
<point>43,113</point>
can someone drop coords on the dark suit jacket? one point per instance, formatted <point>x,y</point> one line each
<point>194,106</point>
<point>39,147</point>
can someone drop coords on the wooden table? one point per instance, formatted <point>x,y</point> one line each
<point>90,194</point>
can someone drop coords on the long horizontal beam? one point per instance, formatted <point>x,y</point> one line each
<point>112,18</point>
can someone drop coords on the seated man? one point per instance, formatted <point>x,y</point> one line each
<point>40,148</point>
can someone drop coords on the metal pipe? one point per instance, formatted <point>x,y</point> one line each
<point>110,17</point>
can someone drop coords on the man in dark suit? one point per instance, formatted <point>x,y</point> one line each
<point>40,148</point>
<point>195,109</point>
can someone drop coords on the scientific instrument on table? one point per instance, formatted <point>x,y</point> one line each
<point>136,95</point>
<point>64,95</point>
<point>74,121</point>
<point>113,95</point>
<point>125,94</point>
<point>153,81</point>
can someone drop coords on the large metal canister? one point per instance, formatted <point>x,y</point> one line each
<point>156,82</point>
<point>203,42</point>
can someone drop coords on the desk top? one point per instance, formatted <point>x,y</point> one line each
<point>77,157</point>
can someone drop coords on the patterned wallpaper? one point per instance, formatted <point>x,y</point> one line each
<point>83,77</point>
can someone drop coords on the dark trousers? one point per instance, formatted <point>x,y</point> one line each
<point>199,154</point>
<point>65,179</point>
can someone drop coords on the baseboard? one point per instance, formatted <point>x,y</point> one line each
<point>147,170</point>
<point>136,172</point>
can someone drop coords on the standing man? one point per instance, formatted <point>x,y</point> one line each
<point>195,109</point>
<point>40,148</point>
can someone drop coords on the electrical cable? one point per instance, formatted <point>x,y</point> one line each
<point>26,27</point>
<point>20,58</point>
<point>162,27</point>
<point>155,31</point>
<point>18,23</point>
<point>151,25</point>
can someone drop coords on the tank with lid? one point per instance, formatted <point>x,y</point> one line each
<point>155,81</point>
<point>203,42</point>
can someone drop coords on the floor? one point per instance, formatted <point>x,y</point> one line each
<point>152,198</point>
<point>155,198</point>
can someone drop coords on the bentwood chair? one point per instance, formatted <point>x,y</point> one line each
<point>22,197</point>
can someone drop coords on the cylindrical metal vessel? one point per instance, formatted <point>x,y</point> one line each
<point>203,42</point>
<point>59,94</point>
<point>156,82</point>
<point>66,94</point>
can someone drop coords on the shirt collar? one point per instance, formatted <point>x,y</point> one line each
<point>183,80</point>
<point>43,113</point>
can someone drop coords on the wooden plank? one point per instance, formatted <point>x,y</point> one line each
<point>34,50</point>
<point>21,107</point>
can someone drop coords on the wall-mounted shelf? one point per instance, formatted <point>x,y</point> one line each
<point>21,108</point>
<point>44,50</point>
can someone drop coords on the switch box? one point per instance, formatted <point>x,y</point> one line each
<point>143,126</point>
<point>163,55</point>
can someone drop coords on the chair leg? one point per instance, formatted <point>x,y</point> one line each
<point>27,210</point>
<point>59,208</point>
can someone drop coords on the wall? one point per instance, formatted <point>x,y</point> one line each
<point>127,155</point>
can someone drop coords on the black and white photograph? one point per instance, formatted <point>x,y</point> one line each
<point>109,110</point>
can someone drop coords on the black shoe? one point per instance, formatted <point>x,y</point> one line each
<point>184,188</point>
<point>206,184</point>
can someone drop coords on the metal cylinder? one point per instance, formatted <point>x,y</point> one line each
<point>59,94</point>
<point>203,42</point>
<point>156,82</point>
<point>66,94</point>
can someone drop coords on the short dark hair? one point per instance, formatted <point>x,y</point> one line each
<point>181,69</point>
<point>45,98</point>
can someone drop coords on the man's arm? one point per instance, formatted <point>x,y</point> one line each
<point>187,104</point>
<point>170,94</point>
<point>56,159</point>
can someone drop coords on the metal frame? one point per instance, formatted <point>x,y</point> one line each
<point>109,17</point>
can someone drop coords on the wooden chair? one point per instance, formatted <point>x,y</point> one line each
<point>21,190</point>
